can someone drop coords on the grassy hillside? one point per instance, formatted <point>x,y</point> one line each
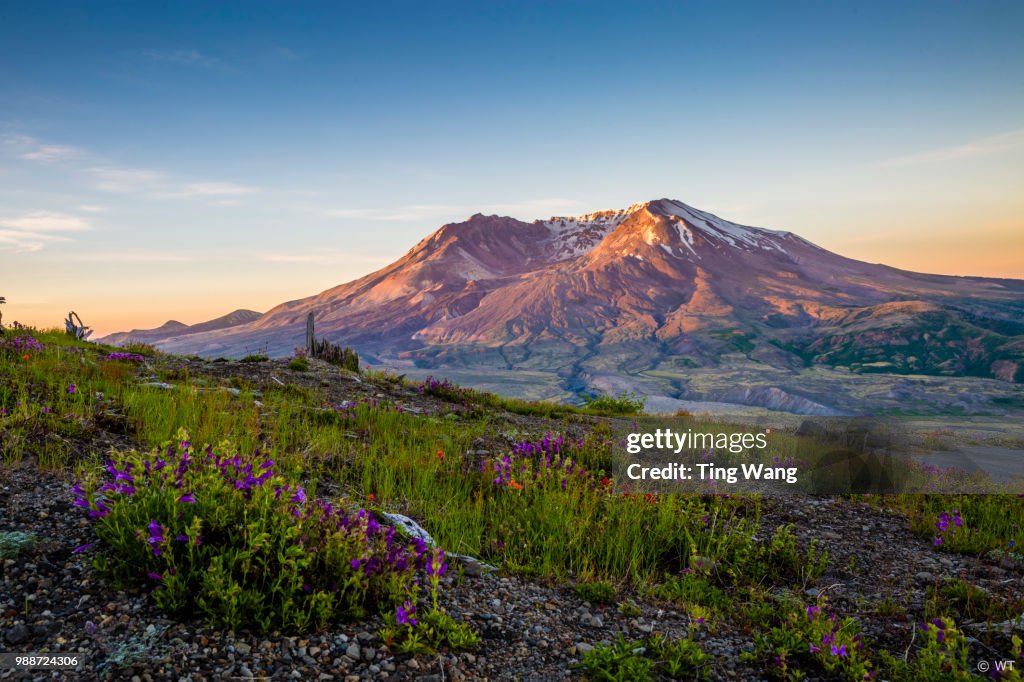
<point>251,498</point>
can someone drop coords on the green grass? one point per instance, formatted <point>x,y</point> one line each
<point>554,515</point>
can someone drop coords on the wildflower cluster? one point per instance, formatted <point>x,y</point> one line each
<point>412,631</point>
<point>234,539</point>
<point>24,346</point>
<point>443,388</point>
<point>540,464</point>
<point>809,635</point>
<point>126,357</point>
<point>945,522</point>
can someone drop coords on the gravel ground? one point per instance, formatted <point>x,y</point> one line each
<point>52,600</point>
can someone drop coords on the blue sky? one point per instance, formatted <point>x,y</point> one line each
<point>183,159</point>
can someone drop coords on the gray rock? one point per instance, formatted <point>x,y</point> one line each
<point>16,634</point>
<point>353,651</point>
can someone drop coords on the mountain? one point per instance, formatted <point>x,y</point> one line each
<point>173,328</point>
<point>658,294</point>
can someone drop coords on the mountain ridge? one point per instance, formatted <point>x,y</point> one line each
<point>657,285</point>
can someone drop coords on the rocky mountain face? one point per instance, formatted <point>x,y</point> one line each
<point>173,328</point>
<point>659,287</point>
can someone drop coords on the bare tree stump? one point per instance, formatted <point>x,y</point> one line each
<point>310,337</point>
<point>75,328</point>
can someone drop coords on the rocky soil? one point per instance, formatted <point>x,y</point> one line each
<point>53,600</point>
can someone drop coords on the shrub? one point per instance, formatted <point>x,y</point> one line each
<point>624,403</point>
<point>240,543</point>
<point>299,364</point>
<point>140,348</point>
<point>599,592</point>
<point>254,357</point>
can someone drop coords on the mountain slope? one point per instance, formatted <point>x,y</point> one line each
<point>629,291</point>
<point>173,328</point>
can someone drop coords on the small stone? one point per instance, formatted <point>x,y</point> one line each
<point>17,634</point>
<point>924,578</point>
<point>353,651</point>
<point>242,648</point>
<point>369,653</point>
<point>582,648</point>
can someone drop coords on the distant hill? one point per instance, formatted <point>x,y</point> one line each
<point>173,328</point>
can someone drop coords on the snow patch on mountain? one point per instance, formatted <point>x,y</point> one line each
<point>722,230</point>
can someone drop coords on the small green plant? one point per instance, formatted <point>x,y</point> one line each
<point>254,357</point>
<point>630,609</point>
<point>14,543</point>
<point>409,632</point>
<point>681,659</point>
<point>624,403</point>
<point>960,596</point>
<point>942,655</point>
<point>140,348</point>
<point>625,661</point>
<point>299,364</point>
<point>808,636</point>
<point>622,661</point>
<point>598,592</point>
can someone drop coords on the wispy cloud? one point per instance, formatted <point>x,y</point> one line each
<point>527,210</point>
<point>107,176</point>
<point>33,231</point>
<point>286,54</point>
<point>131,257</point>
<point>46,221</point>
<point>121,180</point>
<point>986,145</point>
<point>189,58</point>
<point>216,189</point>
<point>28,148</point>
<point>323,258</point>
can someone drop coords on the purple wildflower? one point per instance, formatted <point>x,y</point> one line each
<point>404,614</point>
<point>187,498</point>
<point>82,548</point>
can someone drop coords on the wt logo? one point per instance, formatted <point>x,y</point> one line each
<point>995,666</point>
